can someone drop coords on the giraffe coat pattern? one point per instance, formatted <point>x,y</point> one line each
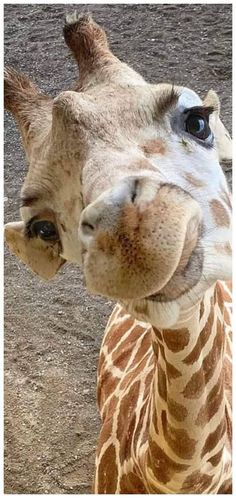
<point>144,210</point>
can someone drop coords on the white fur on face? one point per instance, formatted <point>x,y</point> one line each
<point>188,98</point>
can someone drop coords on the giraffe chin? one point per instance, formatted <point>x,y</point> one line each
<point>184,279</point>
<point>166,308</point>
<point>173,312</point>
<point>160,315</point>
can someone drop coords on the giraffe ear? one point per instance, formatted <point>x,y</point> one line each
<point>222,136</point>
<point>41,257</point>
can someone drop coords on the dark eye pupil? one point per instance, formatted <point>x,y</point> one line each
<point>198,126</point>
<point>46,230</point>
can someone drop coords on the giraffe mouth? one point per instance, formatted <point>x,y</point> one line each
<point>184,278</point>
<point>150,254</point>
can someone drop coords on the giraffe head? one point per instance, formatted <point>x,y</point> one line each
<point>124,178</point>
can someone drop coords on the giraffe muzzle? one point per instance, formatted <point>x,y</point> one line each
<point>135,237</point>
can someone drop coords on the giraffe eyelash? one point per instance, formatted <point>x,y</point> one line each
<point>203,111</point>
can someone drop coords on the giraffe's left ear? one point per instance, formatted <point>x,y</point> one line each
<point>222,137</point>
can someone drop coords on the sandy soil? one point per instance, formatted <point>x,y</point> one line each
<point>53,331</point>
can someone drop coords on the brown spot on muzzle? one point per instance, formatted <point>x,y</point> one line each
<point>220,215</point>
<point>195,182</point>
<point>153,147</point>
<point>124,241</point>
<point>225,249</point>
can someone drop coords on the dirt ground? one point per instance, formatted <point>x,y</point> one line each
<point>53,330</point>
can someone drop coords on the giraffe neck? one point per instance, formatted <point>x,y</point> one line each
<point>187,434</point>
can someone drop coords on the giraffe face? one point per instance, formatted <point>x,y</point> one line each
<point>139,200</point>
<point>158,214</point>
<point>125,180</point>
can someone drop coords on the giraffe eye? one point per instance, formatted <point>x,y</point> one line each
<point>44,229</point>
<point>198,126</point>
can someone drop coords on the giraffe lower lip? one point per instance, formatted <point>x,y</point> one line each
<point>180,284</point>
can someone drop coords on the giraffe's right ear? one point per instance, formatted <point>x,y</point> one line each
<point>222,136</point>
<point>37,254</point>
<point>30,108</point>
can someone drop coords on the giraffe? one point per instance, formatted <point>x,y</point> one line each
<point>125,179</point>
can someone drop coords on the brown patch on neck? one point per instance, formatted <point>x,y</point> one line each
<point>195,182</point>
<point>178,439</point>
<point>226,488</point>
<point>215,459</point>
<point>177,411</point>
<point>158,334</point>
<point>163,467</point>
<point>214,437</point>
<point>220,215</point>
<point>131,483</point>
<point>108,472</point>
<point>127,419</point>
<point>196,483</point>
<point>199,379</point>
<point>152,147</point>
<point>162,387</point>
<point>202,339</point>
<point>171,371</point>
<point>176,340</point>
<point>117,332</point>
<point>212,404</point>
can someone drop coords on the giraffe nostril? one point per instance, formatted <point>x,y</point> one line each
<point>87,228</point>
<point>134,191</point>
